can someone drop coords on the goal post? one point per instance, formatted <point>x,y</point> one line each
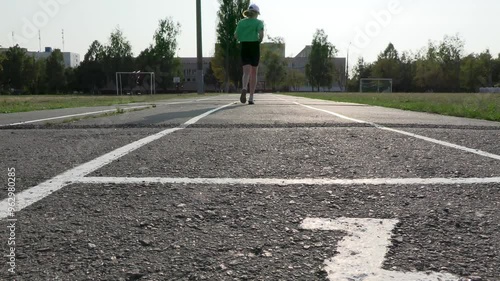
<point>135,81</point>
<point>375,85</point>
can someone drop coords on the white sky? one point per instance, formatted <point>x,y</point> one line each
<point>409,27</point>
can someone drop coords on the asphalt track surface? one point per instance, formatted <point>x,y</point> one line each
<point>287,189</point>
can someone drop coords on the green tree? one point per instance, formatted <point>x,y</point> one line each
<point>496,71</point>
<point>469,73</point>
<point>275,70</point>
<point>119,46</point>
<point>118,56</point>
<point>476,71</point>
<point>407,73</point>
<point>159,57</point>
<point>438,67</point>
<point>2,59</point>
<point>218,65</point>
<point>429,74</point>
<point>34,73</point>
<point>96,52</point>
<point>163,50</point>
<point>388,65</point>
<point>210,78</point>
<point>55,71</point>
<point>71,79</point>
<point>320,69</point>
<point>450,52</point>
<point>274,63</point>
<point>295,79</point>
<point>165,39</point>
<point>227,51</point>
<point>13,68</point>
<point>486,65</point>
<point>146,60</point>
<point>90,76</point>
<point>361,70</point>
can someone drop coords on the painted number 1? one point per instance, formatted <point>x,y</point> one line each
<point>362,252</point>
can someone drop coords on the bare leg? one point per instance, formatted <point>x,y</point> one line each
<point>253,81</point>
<point>247,69</point>
<point>246,76</point>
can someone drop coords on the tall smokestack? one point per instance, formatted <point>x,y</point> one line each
<point>39,41</point>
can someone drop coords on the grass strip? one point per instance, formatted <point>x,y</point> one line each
<point>478,106</point>
<point>13,104</point>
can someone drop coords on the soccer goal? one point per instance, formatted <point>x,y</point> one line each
<point>135,82</point>
<point>375,85</point>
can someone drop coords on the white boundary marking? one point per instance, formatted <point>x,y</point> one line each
<point>76,175</point>
<point>285,182</point>
<point>37,193</point>
<point>181,102</point>
<point>71,116</point>
<point>362,252</point>
<point>98,112</point>
<point>364,248</point>
<point>443,143</point>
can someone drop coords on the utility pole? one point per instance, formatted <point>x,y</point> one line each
<point>347,71</point>
<point>199,72</point>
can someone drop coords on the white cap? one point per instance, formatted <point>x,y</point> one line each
<point>254,8</point>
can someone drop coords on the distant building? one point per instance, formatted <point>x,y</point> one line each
<point>71,60</point>
<point>300,61</point>
<point>3,50</point>
<point>189,68</point>
<point>279,48</point>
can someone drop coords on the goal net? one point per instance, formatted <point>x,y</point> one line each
<point>375,85</point>
<point>135,83</point>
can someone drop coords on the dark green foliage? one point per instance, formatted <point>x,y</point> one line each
<point>227,52</point>
<point>320,70</point>
<point>274,63</point>
<point>54,70</point>
<point>440,67</point>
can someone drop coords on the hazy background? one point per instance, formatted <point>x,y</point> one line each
<point>296,21</point>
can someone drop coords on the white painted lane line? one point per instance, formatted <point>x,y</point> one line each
<point>444,143</point>
<point>181,102</point>
<point>286,182</point>
<point>436,141</point>
<point>99,112</point>
<point>362,252</point>
<point>335,114</point>
<point>72,116</point>
<point>205,99</point>
<point>37,193</point>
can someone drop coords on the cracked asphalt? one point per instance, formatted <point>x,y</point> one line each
<point>244,231</point>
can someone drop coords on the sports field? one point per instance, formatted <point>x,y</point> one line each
<point>479,106</point>
<point>13,104</point>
